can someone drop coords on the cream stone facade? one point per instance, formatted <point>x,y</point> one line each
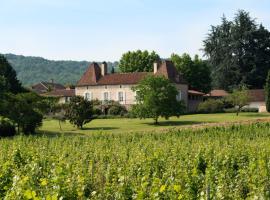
<point>96,84</point>
<point>121,93</point>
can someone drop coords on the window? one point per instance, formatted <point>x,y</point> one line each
<point>120,96</point>
<point>179,96</point>
<point>105,96</point>
<point>87,96</point>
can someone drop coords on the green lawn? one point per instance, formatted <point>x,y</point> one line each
<point>137,125</point>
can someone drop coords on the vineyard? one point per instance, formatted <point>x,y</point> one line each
<point>212,163</point>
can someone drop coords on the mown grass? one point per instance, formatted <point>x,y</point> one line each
<point>211,163</point>
<point>137,125</point>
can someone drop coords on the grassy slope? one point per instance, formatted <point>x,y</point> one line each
<point>127,125</point>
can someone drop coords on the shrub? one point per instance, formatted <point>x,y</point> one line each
<point>6,129</point>
<point>117,110</point>
<point>249,110</point>
<point>233,110</point>
<point>211,106</point>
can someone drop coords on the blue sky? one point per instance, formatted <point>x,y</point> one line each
<point>102,30</point>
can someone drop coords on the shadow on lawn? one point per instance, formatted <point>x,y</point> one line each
<point>174,123</point>
<point>74,132</point>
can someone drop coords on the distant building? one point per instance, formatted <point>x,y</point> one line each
<point>63,95</point>
<point>194,99</point>
<point>96,83</point>
<point>217,94</point>
<point>257,99</point>
<point>44,87</point>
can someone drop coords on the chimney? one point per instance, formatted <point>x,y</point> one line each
<point>104,68</point>
<point>155,67</point>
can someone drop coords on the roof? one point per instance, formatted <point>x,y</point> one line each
<point>122,78</point>
<point>217,93</point>
<point>61,93</point>
<point>256,95</point>
<point>45,86</point>
<point>93,76</point>
<point>194,92</point>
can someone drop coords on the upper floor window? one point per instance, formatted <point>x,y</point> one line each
<point>87,96</point>
<point>120,96</point>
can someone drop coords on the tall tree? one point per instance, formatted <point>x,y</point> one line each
<point>156,97</point>
<point>239,52</point>
<point>196,71</point>
<point>267,92</point>
<point>138,61</point>
<point>11,82</point>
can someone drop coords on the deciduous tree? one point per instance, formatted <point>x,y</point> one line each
<point>156,97</point>
<point>196,71</point>
<point>238,98</point>
<point>79,111</point>
<point>138,61</point>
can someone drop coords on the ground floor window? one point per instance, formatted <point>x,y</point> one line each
<point>87,96</point>
<point>179,96</point>
<point>105,96</point>
<point>120,96</point>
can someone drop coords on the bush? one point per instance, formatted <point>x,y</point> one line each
<point>7,129</point>
<point>211,106</point>
<point>233,110</point>
<point>117,110</point>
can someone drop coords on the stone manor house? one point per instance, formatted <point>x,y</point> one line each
<point>96,83</point>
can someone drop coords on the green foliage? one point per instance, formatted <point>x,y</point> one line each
<point>138,61</point>
<point>79,111</point>
<point>117,109</point>
<point>32,70</point>
<point>7,129</point>
<point>238,98</point>
<point>196,71</point>
<point>213,163</point>
<point>156,97</point>
<point>239,52</point>
<point>211,106</point>
<point>267,92</point>
<point>8,77</point>
<point>24,111</point>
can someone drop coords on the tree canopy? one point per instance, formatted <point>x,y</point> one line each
<point>196,71</point>
<point>156,97</point>
<point>239,52</point>
<point>9,77</point>
<point>238,98</point>
<point>79,111</point>
<point>138,61</point>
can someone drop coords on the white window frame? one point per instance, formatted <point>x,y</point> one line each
<point>123,96</point>
<point>103,96</point>
<point>89,98</point>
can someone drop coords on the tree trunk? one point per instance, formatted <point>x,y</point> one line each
<point>156,120</point>
<point>60,125</point>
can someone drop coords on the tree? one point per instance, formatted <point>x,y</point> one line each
<point>11,82</point>
<point>138,61</point>
<point>79,111</point>
<point>196,71</point>
<point>239,52</point>
<point>267,92</point>
<point>156,97</point>
<point>238,98</point>
<point>23,111</point>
